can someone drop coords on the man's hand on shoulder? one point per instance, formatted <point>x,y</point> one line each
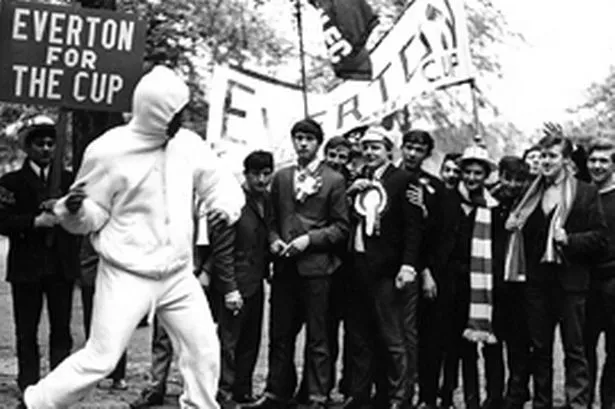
<point>217,218</point>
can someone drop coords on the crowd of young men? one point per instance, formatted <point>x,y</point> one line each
<point>424,272</point>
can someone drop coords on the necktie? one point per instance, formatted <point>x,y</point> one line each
<point>42,176</point>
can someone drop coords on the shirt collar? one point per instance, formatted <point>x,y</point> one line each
<point>311,167</point>
<point>609,187</point>
<point>560,179</point>
<point>380,170</point>
<point>37,169</point>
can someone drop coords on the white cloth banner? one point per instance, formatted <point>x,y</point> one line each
<point>425,50</point>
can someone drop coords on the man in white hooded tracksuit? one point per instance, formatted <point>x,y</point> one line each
<point>134,195</point>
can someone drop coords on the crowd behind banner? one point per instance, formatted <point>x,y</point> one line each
<point>422,272</point>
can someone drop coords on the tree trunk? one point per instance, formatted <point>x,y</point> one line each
<point>88,125</point>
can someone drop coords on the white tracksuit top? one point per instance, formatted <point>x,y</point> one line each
<point>142,187</point>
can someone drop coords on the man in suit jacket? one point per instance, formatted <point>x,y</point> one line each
<point>560,220</point>
<point>43,259</point>
<point>240,332</point>
<point>425,348</point>
<point>310,220</point>
<point>385,247</point>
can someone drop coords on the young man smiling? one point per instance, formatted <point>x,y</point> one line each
<point>557,231</point>
<point>387,230</point>
<point>601,297</point>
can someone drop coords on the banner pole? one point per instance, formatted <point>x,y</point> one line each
<point>302,57</point>
<point>478,138</point>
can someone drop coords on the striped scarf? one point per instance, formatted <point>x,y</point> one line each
<point>515,269</point>
<point>479,327</point>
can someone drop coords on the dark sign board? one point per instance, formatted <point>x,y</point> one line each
<point>71,57</point>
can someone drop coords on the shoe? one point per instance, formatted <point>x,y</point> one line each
<point>313,405</point>
<point>119,385</point>
<point>492,404</point>
<point>396,405</point>
<point>225,400</point>
<point>148,398</point>
<point>353,403</point>
<point>264,402</point>
<point>245,399</point>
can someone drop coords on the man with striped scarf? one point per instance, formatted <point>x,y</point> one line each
<point>476,265</point>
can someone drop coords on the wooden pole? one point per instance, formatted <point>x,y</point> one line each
<point>55,181</point>
<point>478,137</point>
<point>302,57</point>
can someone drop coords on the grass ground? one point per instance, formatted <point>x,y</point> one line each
<point>138,360</point>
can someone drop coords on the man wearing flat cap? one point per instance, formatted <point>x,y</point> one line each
<point>43,258</point>
<point>310,219</point>
<point>386,237</point>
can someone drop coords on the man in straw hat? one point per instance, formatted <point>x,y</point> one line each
<point>134,195</point>
<point>557,231</point>
<point>387,232</point>
<point>43,258</point>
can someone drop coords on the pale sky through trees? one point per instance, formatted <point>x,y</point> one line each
<point>570,44</point>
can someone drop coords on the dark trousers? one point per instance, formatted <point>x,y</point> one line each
<point>517,339</point>
<point>162,357</point>
<point>337,312</point>
<point>548,305</point>
<point>460,349</point>
<point>434,339</point>
<point>494,372</point>
<point>411,337</point>
<point>87,298</point>
<point>27,307</point>
<point>601,318</point>
<point>294,301</point>
<point>240,337</point>
<point>375,329</point>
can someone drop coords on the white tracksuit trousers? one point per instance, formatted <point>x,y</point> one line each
<point>121,300</point>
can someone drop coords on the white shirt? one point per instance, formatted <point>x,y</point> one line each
<point>37,170</point>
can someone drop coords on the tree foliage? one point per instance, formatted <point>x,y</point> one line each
<point>596,115</point>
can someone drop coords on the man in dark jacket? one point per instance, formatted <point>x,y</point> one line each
<point>43,259</point>
<point>476,264</point>
<point>513,175</point>
<point>386,239</point>
<point>240,331</point>
<point>601,297</point>
<point>557,231</point>
<point>427,347</point>
<point>310,219</point>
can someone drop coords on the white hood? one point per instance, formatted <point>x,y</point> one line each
<point>157,98</point>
